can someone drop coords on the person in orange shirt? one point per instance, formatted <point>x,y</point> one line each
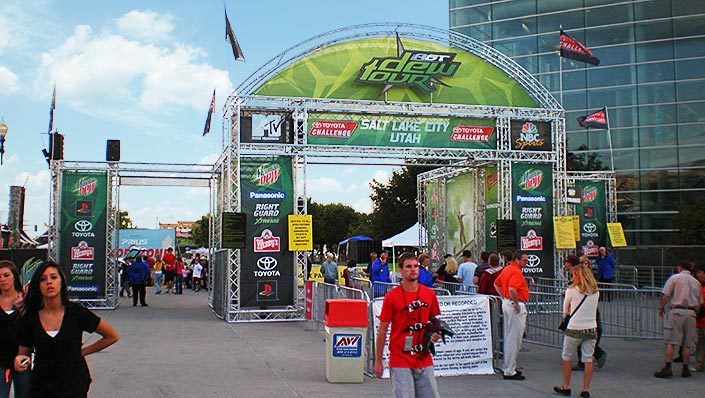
<point>511,285</point>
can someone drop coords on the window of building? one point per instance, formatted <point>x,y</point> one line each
<point>624,138</point>
<point>652,9</point>
<point>693,178</point>
<point>515,27</point>
<point>557,5</point>
<point>660,221</point>
<point>470,16</point>
<point>687,7</point>
<point>654,51</point>
<point>690,69</point>
<point>691,112</point>
<point>661,135</point>
<point>609,35</point>
<point>570,20</point>
<point>611,97</point>
<point>609,15</point>
<point>688,91</point>
<point>548,63</point>
<point>574,79</point>
<point>513,9</point>
<point>626,180</point>
<point>657,114</point>
<point>482,33</point>
<point>465,3</point>
<point>692,156</point>
<point>686,48</point>
<point>517,47</point>
<point>615,55</point>
<point>614,76</point>
<point>658,157</point>
<point>691,134</point>
<point>654,30</point>
<point>692,197</point>
<point>576,100</point>
<point>690,26</point>
<point>530,63</point>
<point>577,140</point>
<point>655,93</point>
<point>656,72</point>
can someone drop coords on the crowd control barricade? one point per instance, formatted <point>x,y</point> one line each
<point>545,311</point>
<point>626,275</point>
<point>452,287</point>
<point>631,313</point>
<point>364,285</point>
<point>380,289</point>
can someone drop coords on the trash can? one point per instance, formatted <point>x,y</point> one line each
<point>346,328</point>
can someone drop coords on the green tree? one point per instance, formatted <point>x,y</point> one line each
<point>124,220</point>
<point>199,233</point>
<point>395,202</point>
<point>332,222</point>
<point>690,222</point>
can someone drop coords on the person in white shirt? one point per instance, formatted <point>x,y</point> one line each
<point>466,272</point>
<point>581,300</point>
<point>197,275</point>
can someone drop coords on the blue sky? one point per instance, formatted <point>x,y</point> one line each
<point>143,72</point>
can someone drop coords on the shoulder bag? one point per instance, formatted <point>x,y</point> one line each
<point>564,324</point>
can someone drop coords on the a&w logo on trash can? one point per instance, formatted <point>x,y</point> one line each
<point>347,345</point>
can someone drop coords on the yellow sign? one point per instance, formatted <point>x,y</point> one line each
<point>300,233</point>
<point>616,234</point>
<point>564,232</point>
<point>576,227</point>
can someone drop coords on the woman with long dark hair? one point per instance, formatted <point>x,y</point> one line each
<point>52,327</point>
<point>11,302</point>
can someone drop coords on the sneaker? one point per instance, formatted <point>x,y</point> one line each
<point>562,391</point>
<point>516,376</point>
<point>686,371</point>
<point>585,394</point>
<point>600,362</point>
<point>665,373</point>
<point>145,305</point>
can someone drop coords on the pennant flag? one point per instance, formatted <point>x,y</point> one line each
<point>230,36</point>
<point>597,120</point>
<point>573,49</point>
<point>51,110</point>
<point>211,109</point>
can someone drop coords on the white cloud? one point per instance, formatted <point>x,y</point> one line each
<point>324,185</point>
<point>9,81</point>
<point>363,205</point>
<point>110,76</point>
<point>381,176</point>
<point>146,25</point>
<point>36,193</point>
<point>348,171</point>
<point>5,33</point>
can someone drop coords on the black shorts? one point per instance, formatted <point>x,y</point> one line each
<point>169,275</point>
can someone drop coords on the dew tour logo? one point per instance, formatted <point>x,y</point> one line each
<point>531,179</point>
<point>266,174</point>
<point>85,186</point>
<point>419,69</point>
<point>589,194</point>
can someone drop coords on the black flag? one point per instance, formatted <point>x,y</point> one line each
<point>573,49</point>
<point>211,109</point>
<point>596,120</point>
<point>51,110</point>
<point>230,36</point>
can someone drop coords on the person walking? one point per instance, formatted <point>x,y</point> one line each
<point>329,269</point>
<point>197,275</point>
<point>158,275</point>
<point>11,303</point>
<point>124,281</point>
<point>486,285</point>
<point>580,304</point>
<point>139,275</point>
<point>683,294</point>
<point>52,328</point>
<point>511,285</point>
<point>179,278</point>
<point>406,307</point>
<point>466,272</point>
<point>169,269</point>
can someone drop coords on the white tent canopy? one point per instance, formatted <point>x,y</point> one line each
<point>410,237</point>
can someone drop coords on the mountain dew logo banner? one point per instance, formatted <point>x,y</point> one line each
<point>267,265</point>
<point>532,208</point>
<point>82,233</point>
<point>593,216</point>
<point>491,207</point>
<point>397,131</point>
<point>382,69</point>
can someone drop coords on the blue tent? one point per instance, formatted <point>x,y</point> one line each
<point>355,238</point>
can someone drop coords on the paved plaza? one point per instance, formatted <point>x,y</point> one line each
<point>177,348</point>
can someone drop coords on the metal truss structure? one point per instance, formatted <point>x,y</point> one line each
<point>122,174</point>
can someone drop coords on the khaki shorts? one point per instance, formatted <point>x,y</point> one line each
<point>679,328</point>
<point>570,348</point>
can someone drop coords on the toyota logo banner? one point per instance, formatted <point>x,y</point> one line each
<point>82,233</point>
<point>267,266</point>
<point>532,209</point>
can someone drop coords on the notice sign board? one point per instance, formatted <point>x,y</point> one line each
<point>616,234</point>
<point>469,351</point>
<point>234,230</point>
<point>300,233</point>
<point>506,235</point>
<point>564,231</point>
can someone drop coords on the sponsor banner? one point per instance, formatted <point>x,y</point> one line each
<point>531,136</point>
<point>258,128</point>
<point>155,241</point>
<point>267,270</point>
<point>532,208</point>
<point>469,351</point>
<point>82,233</point>
<point>460,204</point>
<point>593,216</point>
<point>400,131</point>
<point>491,207</point>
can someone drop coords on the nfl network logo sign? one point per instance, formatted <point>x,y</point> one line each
<point>347,345</point>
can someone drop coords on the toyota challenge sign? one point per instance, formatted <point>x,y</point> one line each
<point>82,238</point>
<point>532,208</point>
<point>267,268</point>
<point>593,216</point>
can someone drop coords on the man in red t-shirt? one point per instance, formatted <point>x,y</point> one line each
<point>169,268</point>
<point>408,307</point>
<point>511,285</point>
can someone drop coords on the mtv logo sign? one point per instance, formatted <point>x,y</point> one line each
<point>267,127</point>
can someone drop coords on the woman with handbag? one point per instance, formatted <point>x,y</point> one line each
<point>580,326</point>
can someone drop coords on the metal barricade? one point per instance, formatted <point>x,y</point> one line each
<point>630,313</point>
<point>545,309</point>
<point>380,289</point>
<point>363,284</point>
<point>626,275</point>
<point>321,293</point>
<point>449,286</point>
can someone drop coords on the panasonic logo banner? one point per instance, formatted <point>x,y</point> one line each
<point>268,195</point>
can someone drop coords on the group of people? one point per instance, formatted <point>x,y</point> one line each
<point>167,273</point>
<point>41,335</point>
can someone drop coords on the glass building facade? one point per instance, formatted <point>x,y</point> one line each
<point>651,79</point>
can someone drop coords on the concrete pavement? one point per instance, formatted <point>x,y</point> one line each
<point>177,348</point>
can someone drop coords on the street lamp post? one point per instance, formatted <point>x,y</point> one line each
<point>3,133</point>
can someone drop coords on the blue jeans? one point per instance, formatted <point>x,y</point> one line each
<point>19,380</point>
<point>178,284</point>
<point>158,278</point>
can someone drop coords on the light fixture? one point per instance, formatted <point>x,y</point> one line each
<point>3,133</point>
